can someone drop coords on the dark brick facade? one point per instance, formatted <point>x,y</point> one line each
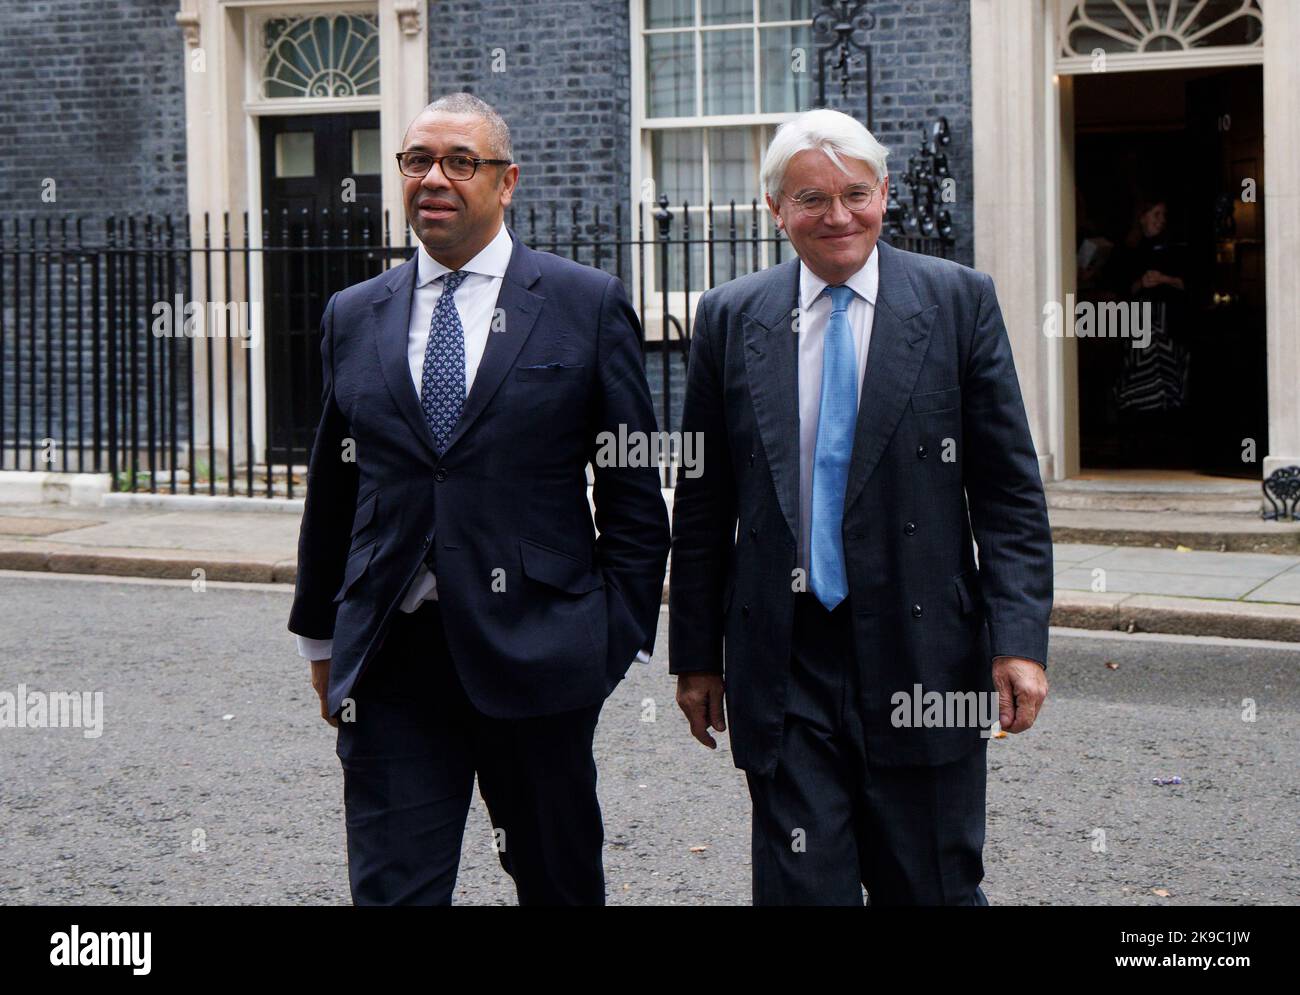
<point>921,60</point>
<point>565,91</point>
<point>94,97</point>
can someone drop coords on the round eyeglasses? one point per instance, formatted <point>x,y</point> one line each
<point>454,167</point>
<point>816,203</point>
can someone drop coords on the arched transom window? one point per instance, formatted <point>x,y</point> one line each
<point>320,57</point>
<point>1146,26</point>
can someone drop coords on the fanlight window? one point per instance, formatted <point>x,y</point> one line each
<point>1116,26</point>
<point>321,56</point>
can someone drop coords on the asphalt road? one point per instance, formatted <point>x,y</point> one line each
<point>215,781</point>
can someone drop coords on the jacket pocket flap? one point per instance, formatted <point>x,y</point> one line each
<point>560,570</point>
<point>968,591</point>
<point>365,512</point>
<point>936,400</point>
<point>356,566</point>
<point>549,371</point>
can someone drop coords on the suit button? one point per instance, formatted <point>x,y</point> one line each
<point>909,528</point>
<point>744,610</point>
<point>753,532</point>
<point>916,611</point>
<point>440,474</point>
<point>922,452</point>
<point>751,459</point>
<point>428,539</point>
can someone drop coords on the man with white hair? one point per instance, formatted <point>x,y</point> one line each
<point>863,422</point>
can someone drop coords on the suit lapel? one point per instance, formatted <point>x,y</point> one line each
<point>899,332</point>
<point>512,322</point>
<point>516,312</point>
<point>772,368</point>
<point>392,312</point>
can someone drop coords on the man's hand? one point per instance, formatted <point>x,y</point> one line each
<point>1022,687</point>
<point>320,680</point>
<point>699,696</point>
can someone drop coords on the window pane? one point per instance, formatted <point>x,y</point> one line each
<point>669,13</point>
<point>678,163</point>
<point>733,173</point>
<point>788,64</point>
<point>295,154</point>
<point>785,10</point>
<point>728,72</point>
<point>365,150</point>
<point>670,74</point>
<point>727,11</point>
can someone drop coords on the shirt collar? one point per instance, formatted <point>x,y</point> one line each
<point>492,260</point>
<point>864,282</point>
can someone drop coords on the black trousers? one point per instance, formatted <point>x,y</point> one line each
<point>409,761</point>
<point>828,823</point>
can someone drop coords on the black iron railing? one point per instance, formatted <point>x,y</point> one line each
<point>182,355</point>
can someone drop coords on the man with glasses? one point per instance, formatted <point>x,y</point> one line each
<point>864,418</point>
<point>461,614</point>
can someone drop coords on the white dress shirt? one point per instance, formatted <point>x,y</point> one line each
<point>476,301</point>
<point>814,315</point>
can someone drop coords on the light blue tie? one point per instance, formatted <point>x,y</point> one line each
<point>442,379</point>
<point>835,422</point>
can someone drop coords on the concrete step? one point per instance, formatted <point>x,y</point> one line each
<point>1237,533</point>
<point>1210,498</point>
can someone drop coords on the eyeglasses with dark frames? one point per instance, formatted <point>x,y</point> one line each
<point>454,167</point>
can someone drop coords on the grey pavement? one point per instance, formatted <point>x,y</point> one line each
<point>215,781</point>
<point>1176,589</point>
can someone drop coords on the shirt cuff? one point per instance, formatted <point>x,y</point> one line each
<point>642,657</point>
<point>314,649</point>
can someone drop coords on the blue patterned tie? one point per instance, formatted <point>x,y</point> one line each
<point>835,422</point>
<point>442,380</point>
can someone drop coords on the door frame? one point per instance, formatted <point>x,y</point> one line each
<point>1021,97</point>
<point>220,60</point>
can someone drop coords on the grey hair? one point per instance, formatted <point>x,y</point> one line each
<point>467,103</point>
<point>833,132</point>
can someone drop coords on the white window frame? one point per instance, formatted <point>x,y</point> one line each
<point>761,125</point>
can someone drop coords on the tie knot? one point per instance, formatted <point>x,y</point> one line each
<point>452,280</point>
<point>841,295</point>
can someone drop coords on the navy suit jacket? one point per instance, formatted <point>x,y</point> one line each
<point>541,614</point>
<point>941,447</point>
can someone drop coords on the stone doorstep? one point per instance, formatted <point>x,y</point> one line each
<point>1073,609</point>
<point>1216,542</point>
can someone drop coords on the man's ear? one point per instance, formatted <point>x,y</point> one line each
<point>509,180</point>
<point>776,212</point>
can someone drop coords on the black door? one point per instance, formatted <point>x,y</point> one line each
<point>1226,131</point>
<point>321,220</point>
<point>1196,397</point>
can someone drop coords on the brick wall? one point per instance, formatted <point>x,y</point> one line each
<point>921,53</point>
<point>564,92</point>
<point>94,97</point>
